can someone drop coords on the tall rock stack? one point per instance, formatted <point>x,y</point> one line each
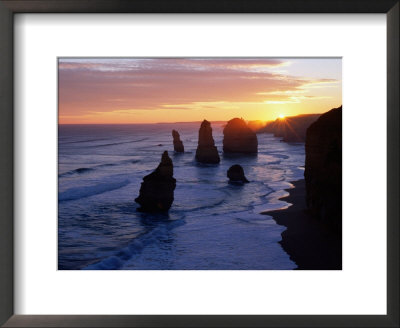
<point>178,145</point>
<point>206,151</point>
<point>239,138</point>
<point>157,189</point>
<point>323,169</point>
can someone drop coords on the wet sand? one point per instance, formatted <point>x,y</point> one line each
<point>307,241</point>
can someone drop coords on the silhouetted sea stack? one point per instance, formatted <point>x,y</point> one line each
<point>236,174</point>
<point>239,138</point>
<point>323,169</point>
<point>178,145</point>
<point>206,151</point>
<point>157,189</point>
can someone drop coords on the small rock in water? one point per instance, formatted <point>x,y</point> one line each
<point>178,144</point>
<point>236,174</point>
<point>157,189</point>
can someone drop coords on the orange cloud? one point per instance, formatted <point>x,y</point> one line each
<point>101,87</point>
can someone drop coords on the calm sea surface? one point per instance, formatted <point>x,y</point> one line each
<point>211,225</point>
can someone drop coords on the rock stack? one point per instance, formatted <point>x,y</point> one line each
<point>178,145</point>
<point>157,189</point>
<point>236,174</point>
<point>206,151</point>
<point>239,138</point>
<point>323,168</point>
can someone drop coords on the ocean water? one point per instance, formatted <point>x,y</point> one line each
<point>212,224</point>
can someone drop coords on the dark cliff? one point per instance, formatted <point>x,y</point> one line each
<point>291,128</point>
<point>256,125</point>
<point>323,169</point>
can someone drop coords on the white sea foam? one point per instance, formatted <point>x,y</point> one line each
<point>87,191</point>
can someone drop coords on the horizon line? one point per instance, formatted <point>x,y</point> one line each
<point>219,121</point>
<point>199,121</point>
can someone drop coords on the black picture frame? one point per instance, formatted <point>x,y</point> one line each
<point>10,7</point>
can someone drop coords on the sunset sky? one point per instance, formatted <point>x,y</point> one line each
<point>129,90</point>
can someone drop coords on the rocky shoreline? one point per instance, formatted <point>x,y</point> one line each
<point>309,242</point>
<point>313,238</point>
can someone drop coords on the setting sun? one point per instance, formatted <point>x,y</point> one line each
<point>281,116</point>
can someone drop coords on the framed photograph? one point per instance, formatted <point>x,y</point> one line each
<point>192,164</point>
